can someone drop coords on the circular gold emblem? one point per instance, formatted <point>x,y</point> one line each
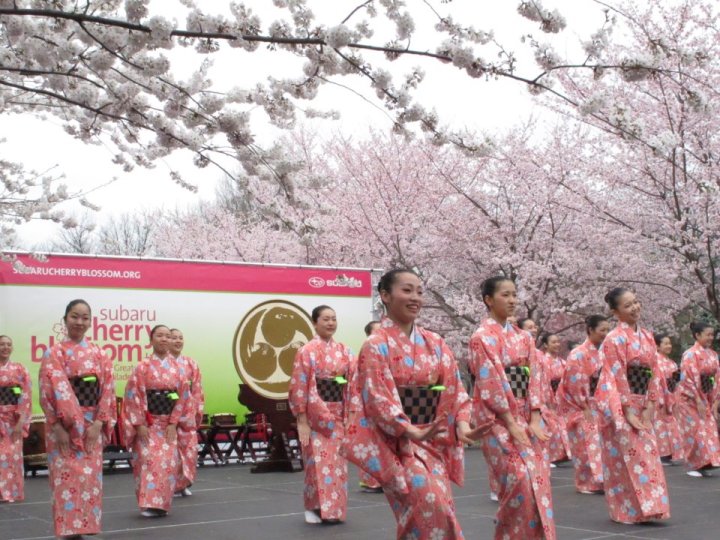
<point>265,345</point>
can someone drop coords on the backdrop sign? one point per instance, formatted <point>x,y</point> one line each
<point>242,323</point>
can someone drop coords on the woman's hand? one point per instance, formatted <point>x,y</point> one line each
<point>171,433</point>
<point>62,437</point>
<point>92,435</point>
<point>428,432</point>
<point>466,434</point>
<point>303,428</point>
<point>587,413</point>
<point>518,433</point>
<point>17,431</point>
<point>142,434</point>
<point>536,427</point>
<point>635,421</point>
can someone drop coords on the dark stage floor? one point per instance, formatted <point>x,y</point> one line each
<point>231,503</point>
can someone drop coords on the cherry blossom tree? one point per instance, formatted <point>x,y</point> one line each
<point>107,70</point>
<point>653,167</point>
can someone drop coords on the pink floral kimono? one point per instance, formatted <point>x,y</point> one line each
<point>415,476</point>
<point>315,391</point>
<point>575,394</point>
<point>525,497</point>
<point>15,402</point>
<point>72,376</point>
<point>634,480</point>
<point>149,395</point>
<point>698,381</point>
<point>187,432</point>
<point>667,428</point>
<point>558,445</point>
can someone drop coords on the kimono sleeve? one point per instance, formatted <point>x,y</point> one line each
<point>690,376</point>
<point>657,386</point>
<point>24,409</point>
<point>183,414</point>
<point>47,398</point>
<point>489,398</point>
<point>198,393</point>
<point>716,390</point>
<point>134,403</point>
<point>537,378</point>
<point>354,399</point>
<point>575,383</point>
<point>378,389</point>
<point>298,391</point>
<point>615,362</point>
<point>106,410</point>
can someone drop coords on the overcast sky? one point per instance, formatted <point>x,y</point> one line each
<point>462,102</point>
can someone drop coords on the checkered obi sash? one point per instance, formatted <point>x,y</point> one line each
<point>86,389</point>
<point>420,403</point>
<point>673,380</point>
<point>707,383</point>
<point>161,402</point>
<point>554,385</point>
<point>594,379</point>
<point>10,395</point>
<point>638,377</point>
<point>331,390</point>
<point>518,378</point>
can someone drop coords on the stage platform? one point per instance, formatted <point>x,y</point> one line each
<point>230,503</point>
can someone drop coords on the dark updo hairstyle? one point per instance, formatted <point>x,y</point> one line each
<point>698,327</point>
<point>659,336</point>
<point>521,322</point>
<point>545,338</point>
<point>73,304</point>
<point>490,286</point>
<point>4,336</point>
<point>315,315</point>
<point>613,297</point>
<point>368,327</point>
<point>155,329</point>
<point>389,278</point>
<point>593,321</point>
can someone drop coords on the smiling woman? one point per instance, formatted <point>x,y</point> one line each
<point>410,431</point>
<point>77,394</point>
<point>320,399</point>
<point>629,387</point>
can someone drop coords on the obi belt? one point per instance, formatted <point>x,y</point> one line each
<point>420,402</point>
<point>331,390</point>
<point>707,383</point>
<point>673,380</point>
<point>638,377</point>
<point>161,402</point>
<point>10,395</point>
<point>519,379</point>
<point>86,389</point>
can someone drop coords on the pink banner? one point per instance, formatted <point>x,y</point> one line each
<point>126,273</point>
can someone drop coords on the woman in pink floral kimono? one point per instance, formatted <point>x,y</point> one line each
<point>553,370</point>
<point>698,394</point>
<point>157,404</point>
<point>576,396</point>
<point>367,483</point>
<point>77,394</point>
<point>415,414</point>
<point>187,432</point>
<point>667,429</point>
<point>508,398</point>
<point>15,410</point>
<point>629,387</point>
<point>320,400</point>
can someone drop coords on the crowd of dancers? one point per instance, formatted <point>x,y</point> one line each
<point>617,407</point>
<point>162,409</point>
